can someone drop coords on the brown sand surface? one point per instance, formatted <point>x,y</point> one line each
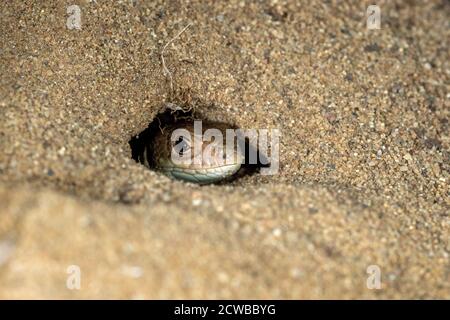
<point>364,155</point>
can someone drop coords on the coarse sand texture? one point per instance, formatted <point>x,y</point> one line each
<point>362,192</point>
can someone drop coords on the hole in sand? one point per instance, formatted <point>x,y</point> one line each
<point>145,146</point>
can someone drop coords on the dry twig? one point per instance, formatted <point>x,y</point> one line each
<point>165,70</point>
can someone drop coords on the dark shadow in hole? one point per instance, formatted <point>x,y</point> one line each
<point>261,161</point>
<point>144,139</point>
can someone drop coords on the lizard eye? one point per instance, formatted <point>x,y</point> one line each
<point>181,145</point>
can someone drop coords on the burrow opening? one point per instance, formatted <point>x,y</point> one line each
<point>144,142</point>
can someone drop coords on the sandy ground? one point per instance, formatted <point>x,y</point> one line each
<point>364,155</point>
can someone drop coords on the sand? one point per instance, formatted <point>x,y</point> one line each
<point>364,154</point>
